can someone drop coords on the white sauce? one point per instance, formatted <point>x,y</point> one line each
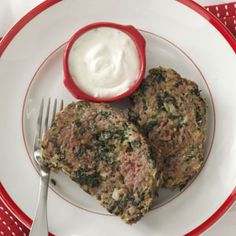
<point>104,62</point>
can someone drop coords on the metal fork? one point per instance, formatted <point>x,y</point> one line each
<point>40,224</point>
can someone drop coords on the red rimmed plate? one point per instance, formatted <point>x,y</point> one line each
<point>179,38</point>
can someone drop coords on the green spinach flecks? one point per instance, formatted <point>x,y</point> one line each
<point>179,82</point>
<point>198,116</point>
<point>149,126</point>
<point>144,104</point>
<point>81,151</point>
<point>160,101</point>
<point>157,76</point>
<point>105,114</point>
<point>163,99</point>
<point>134,118</point>
<point>189,158</point>
<point>132,145</point>
<point>121,135</point>
<point>88,177</point>
<point>135,143</point>
<point>77,123</point>
<point>195,91</point>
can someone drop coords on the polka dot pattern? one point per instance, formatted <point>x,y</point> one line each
<point>11,226</point>
<point>226,14</point>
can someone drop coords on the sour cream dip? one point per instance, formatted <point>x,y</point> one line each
<point>104,62</point>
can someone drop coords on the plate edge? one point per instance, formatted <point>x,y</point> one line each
<point>213,20</point>
<point>194,6</point>
<point>7,38</point>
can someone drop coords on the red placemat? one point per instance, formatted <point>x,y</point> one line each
<point>226,13</point>
<point>11,226</point>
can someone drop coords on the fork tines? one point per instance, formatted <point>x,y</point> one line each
<point>40,131</point>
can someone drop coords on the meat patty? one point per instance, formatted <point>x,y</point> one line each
<point>171,113</point>
<point>105,154</point>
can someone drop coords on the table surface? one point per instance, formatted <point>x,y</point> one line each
<point>12,10</point>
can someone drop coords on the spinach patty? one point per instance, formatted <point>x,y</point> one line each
<point>105,154</point>
<point>171,113</point>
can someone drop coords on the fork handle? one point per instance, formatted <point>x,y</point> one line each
<point>40,224</point>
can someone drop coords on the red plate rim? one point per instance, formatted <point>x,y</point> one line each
<point>194,6</point>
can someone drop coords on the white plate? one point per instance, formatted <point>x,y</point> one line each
<point>31,68</point>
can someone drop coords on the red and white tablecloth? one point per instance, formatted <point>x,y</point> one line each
<point>226,13</point>
<point>10,13</point>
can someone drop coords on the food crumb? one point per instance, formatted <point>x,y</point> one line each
<point>53,181</point>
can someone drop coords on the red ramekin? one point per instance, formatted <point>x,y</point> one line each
<point>140,43</point>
